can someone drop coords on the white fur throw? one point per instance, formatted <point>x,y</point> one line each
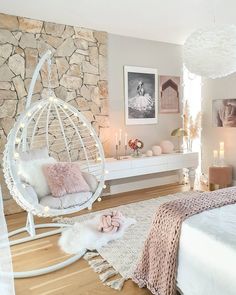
<point>31,172</point>
<point>85,235</point>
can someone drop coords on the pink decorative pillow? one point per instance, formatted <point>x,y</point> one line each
<point>65,178</point>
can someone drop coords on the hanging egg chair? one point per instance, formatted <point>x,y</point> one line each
<point>62,130</point>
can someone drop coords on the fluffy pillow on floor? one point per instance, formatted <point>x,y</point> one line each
<point>86,236</point>
<point>65,178</point>
<point>32,172</point>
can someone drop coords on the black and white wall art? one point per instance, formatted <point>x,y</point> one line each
<point>224,112</point>
<point>140,95</point>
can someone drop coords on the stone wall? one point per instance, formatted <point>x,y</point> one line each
<point>79,70</point>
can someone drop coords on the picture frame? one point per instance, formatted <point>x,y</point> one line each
<point>224,112</point>
<point>141,95</point>
<point>169,94</point>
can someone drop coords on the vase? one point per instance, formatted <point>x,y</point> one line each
<point>137,153</point>
<point>190,145</point>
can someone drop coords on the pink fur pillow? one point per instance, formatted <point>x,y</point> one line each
<point>65,178</point>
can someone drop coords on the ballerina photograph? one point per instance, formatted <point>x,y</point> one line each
<point>140,95</point>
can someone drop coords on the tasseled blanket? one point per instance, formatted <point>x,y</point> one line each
<point>157,267</point>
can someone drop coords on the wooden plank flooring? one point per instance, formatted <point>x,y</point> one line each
<point>78,278</point>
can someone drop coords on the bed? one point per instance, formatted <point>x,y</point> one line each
<point>207,253</point>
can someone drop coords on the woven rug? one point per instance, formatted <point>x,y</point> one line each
<point>120,257</point>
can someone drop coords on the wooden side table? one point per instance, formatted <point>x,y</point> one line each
<point>220,177</point>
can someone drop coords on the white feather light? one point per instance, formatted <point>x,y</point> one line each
<point>211,52</point>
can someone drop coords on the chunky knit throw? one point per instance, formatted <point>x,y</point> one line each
<point>157,267</point>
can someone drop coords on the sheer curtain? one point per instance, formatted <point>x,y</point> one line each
<point>192,95</point>
<point>6,273</point>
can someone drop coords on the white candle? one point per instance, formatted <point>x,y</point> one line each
<point>116,138</point>
<point>222,155</point>
<point>120,133</point>
<point>215,155</point>
<point>126,138</point>
<point>222,146</point>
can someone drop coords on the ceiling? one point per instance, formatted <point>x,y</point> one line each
<point>167,20</point>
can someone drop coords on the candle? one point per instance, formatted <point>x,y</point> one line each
<point>126,138</point>
<point>222,155</point>
<point>116,138</point>
<point>222,146</point>
<point>120,133</point>
<point>215,156</point>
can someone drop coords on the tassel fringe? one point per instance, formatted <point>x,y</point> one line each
<point>105,270</point>
<point>108,274</point>
<point>116,284</point>
<point>102,267</point>
<point>90,255</point>
<point>96,262</point>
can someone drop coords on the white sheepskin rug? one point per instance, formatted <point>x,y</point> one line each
<point>84,236</point>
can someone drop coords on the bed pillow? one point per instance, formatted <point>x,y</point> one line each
<point>65,178</point>
<point>32,172</point>
<point>91,181</point>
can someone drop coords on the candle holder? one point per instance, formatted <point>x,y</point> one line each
<point>116,151</point>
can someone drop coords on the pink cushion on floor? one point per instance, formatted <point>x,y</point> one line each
<point>65,178</point>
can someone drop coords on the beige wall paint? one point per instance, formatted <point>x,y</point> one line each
<point>211,136</point>
<point>166,58</point>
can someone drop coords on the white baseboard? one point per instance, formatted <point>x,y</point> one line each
<point>137,183</point>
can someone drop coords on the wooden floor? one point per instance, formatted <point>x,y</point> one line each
<point>78,278</point>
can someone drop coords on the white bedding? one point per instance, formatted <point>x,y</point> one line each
<point>207,253</point>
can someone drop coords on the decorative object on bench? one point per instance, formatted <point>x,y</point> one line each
<point>136,145</point>
<point>118,141</point>
<point>67,136</point>
<point>179,132</point>
<point>220,177</point>
<point>149,153</point>
<point>167,147</point>
<point>156,149</point>
<point>192,125</point>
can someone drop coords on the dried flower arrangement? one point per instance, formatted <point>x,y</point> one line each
<point>191,125</point>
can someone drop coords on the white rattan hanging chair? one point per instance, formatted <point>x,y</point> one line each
<point>68,136</point>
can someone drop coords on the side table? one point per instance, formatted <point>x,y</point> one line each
<point>220,177</point>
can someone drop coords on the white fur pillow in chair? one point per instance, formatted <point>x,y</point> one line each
<point>32,172</point>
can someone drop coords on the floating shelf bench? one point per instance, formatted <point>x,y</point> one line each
<point>130,167</point>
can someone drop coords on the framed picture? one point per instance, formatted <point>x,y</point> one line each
<point>224,112</point>
<point>169,94</point>
<point>140,95</point>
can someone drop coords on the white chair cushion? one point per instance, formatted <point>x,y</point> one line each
<point>66,201</point>
<point>91,181</point>
<point>31,195</point>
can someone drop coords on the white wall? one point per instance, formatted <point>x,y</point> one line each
<point>166,58</point>
<point>211,136</point>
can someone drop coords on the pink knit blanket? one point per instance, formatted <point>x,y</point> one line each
<point>157,267</point>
